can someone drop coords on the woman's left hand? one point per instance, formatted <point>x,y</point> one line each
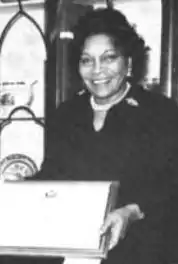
<point>117,222</point>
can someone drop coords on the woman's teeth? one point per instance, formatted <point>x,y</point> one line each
<point>100,81</point>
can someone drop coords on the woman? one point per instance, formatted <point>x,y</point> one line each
<point>115,130</point>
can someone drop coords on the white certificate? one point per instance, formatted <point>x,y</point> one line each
<point>55,218</point>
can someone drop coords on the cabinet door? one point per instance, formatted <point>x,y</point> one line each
<point>22,87</point>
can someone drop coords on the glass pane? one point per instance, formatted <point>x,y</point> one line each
<point>146,16</point>
<point>22,69</point>
<point>5,15</point>
<point>37,13</point>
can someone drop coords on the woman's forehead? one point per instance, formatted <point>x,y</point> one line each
<point>98,43</point>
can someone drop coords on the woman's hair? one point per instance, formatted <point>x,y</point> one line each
<point>124,36</point>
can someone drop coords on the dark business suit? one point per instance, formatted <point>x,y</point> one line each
<point>138,146</point>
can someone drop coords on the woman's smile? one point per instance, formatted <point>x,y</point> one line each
<point>98,82</point>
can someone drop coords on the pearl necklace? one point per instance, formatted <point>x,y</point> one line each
<point>106,107</point>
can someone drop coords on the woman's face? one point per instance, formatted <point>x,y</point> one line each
<point>103,68</point>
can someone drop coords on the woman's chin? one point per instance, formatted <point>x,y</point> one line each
<point>101,99</point>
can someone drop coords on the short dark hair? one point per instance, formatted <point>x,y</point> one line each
<point>114,24</point>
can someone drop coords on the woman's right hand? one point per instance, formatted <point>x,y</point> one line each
<point>118,221</point>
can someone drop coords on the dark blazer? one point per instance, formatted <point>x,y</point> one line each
<point>138,146</point>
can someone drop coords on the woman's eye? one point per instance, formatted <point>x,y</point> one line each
<point>86,61</point>
<point>109,58</point>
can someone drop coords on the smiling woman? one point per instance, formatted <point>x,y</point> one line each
<point>116,130</point>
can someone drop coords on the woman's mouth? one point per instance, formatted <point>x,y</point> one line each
<point>103,81</point>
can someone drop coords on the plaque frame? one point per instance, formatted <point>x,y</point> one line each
<point>96,253</point>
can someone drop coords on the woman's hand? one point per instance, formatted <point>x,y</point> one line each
<point>117,222</point>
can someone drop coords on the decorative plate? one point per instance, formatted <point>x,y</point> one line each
<point>16,167</point>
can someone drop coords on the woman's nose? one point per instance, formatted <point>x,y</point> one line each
<point>97,67</point>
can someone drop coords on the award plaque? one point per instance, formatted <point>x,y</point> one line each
<point>55,218</point>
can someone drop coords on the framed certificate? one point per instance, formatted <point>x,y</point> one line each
<point>55,218</point>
